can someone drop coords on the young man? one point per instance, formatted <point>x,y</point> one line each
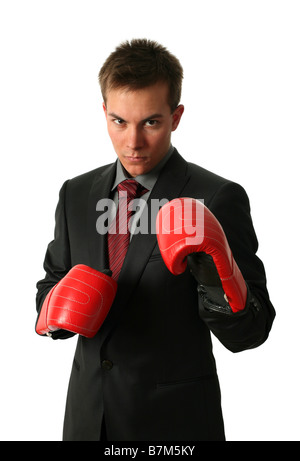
<point>147,372</point>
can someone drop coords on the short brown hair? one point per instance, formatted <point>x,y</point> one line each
<point>141,63</point>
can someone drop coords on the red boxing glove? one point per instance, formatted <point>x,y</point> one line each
<point>78,303</point>
<point>185,226</point>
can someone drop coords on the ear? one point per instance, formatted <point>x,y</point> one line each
<point>104,108</point>
<point>177,114</point>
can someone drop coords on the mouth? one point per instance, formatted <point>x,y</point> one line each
<point>136,158</point>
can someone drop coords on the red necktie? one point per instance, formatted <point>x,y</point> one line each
<point>119,234</point>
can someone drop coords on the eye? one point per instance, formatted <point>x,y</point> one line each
<point>118,121</point>
<point>151,123</point>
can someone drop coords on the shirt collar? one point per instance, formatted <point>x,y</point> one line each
<point>146,180</point>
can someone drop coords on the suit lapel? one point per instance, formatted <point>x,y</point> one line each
<point>97,241</point>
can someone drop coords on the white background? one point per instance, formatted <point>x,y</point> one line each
<point>241,120</point>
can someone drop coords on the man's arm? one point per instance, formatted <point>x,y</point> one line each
<point>250,327</point>
<point>57,261</point>
<point>233,298</point>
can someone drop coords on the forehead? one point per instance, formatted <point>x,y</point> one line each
<point>152,99</point>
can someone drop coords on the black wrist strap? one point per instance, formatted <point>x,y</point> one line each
<point>214,299</point>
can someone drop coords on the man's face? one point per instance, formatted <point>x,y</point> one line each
<point>140,124</point>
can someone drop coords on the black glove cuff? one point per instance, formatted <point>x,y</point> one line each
<point>214,299</point>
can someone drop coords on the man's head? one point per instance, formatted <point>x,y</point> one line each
<point>141,87</point>
<point>139,64</point>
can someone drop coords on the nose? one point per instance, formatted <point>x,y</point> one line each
<point>135,139</point>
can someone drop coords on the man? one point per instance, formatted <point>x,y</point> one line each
<point>148,373</point>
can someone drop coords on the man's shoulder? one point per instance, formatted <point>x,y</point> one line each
<point>88,177</point>
<point>199,173</point>
<point>211,186</point>
<point>208,182</point>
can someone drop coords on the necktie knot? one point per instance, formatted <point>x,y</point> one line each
<point>131,188</point>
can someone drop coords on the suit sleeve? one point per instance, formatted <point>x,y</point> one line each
<point>248,328</point>
<point>57,262</point>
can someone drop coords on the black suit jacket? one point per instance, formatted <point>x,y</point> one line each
<point>150,370</point>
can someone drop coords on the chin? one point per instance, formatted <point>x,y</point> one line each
<point>133,172</point>
<point>136,170</point>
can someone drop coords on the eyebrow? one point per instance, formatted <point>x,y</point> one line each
<point>151,117</point>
